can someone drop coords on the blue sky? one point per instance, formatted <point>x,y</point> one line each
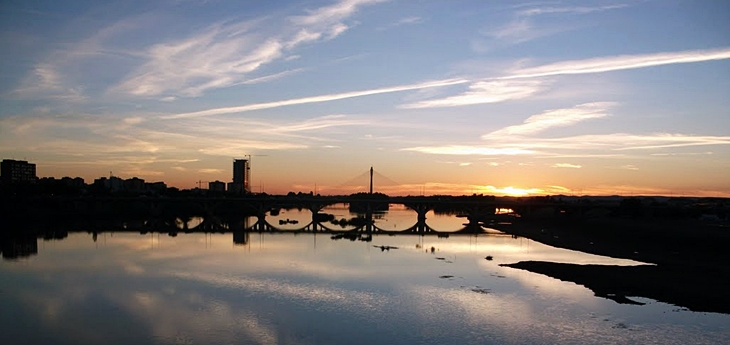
<point>572,97</point>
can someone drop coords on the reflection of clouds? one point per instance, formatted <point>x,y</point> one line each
<point>191,319</point>
<point>473,306</point>
<point>263,334</point>
<point>209,296</point>
<point>506,249</point>
<point>50,306</point>
<point>549,288</point>
<point>144,299</point>
<point>511,318</point>
<point>132,268</point>
<point>321,270</point>
<point>444,223</point>
<point>303,292</point>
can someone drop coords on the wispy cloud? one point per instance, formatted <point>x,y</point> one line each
<point>316,99</point>
<point>621,62</point>
<point>274,76</point>
<point>666,140</point>
<point>517,31</point>
<point>224,54</point>
<point>64,74</point>
<point>683,153</point>
<point>520,139</point>
<point>566,165</point>
<point>220,56</point>
<point>333,13</point>
<point>614,142</point>
<point>577,10</point>
<point>142,173</point>
<point>321,122</point>
<point>45,81</point>
<point>103,143</point>
<point>496,90</point>
<point>234,148</point>
<point>555,118</point>
<point>469,150</point>
<point>210,171</point>
<point>484,92</point>
<point>522,27</point>
<point>411,20</point>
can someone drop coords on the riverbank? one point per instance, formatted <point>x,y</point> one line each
<point>683,242</point>
<point>687,261</point>
<point>700,290</point>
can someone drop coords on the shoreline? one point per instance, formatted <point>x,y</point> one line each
<point>665,243</point>
<point>687,261</point>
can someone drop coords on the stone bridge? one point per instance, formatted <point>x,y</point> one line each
<point>229,213</point>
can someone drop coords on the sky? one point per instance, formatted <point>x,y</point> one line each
<point>441,97</point>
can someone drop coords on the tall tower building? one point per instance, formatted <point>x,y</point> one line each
<point>241,176</point>
<point>12,171</point>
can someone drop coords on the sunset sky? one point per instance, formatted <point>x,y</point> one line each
<point>441,97</point>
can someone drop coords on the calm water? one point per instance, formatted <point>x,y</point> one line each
<point>398,217</point>
<point>127,288</point>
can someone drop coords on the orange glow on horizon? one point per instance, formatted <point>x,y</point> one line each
<point>512,191</point>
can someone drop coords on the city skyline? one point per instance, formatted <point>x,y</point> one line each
<point>463,97</point>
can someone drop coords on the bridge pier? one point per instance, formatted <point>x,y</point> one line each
<point>369,219</point>
<point>315,221</point>
<point>421,226</point>
<point>261,222</point>
<point>476,216</point>
<point>421,210</point>
<point>315,208</point>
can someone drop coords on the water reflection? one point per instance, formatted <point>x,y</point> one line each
<point>188,223</point>
<point>289,219</point>
<point>343,217</point>
<point>274,288</point>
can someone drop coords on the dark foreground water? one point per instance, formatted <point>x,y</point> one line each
<point>127,288</point>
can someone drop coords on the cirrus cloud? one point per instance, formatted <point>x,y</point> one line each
<point>555,118</point>
<point>482,92</point>
<point>620,62</point>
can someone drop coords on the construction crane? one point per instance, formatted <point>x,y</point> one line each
<point>248,168</point>
<point>200,183</point>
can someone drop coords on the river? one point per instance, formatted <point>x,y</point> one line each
<point>306,288</point>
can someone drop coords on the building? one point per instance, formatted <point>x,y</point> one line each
<point>217,186</point>
<point>15,248</point>
<point>112,183</point>
<point>12,171</point>
<point>134,184</point>
<point>76,182</point>
<point>241,176</point>
<point>155,186</point>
